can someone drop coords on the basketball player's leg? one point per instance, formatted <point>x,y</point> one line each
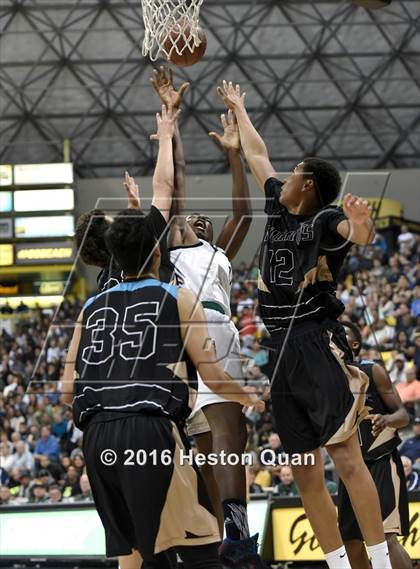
<point>229,435</point>
<point>204,442</point>
<point>357,553</point>
<point>360,486</point>
<point>399,556</point>
<point>318,503</point>
<point>133,561</point>
<point>363,494</point>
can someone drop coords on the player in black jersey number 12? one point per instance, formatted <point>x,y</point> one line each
<point>318,397</point>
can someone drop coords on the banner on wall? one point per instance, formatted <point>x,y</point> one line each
<point>294,539</point>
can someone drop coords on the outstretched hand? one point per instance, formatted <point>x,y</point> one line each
<point>255,403</point>
<point>166,122</point>
<point>163,84</point>
<point>133,192</point>
<point>356,209</point>
<point>230,140</point>
<point>232,96</point>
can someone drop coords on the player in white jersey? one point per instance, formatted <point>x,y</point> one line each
<point>203,267</point>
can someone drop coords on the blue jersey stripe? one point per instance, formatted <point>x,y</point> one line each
<point>131,286</point>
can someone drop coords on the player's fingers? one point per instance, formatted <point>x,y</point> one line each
<point>216,136</point>
<point>154,137</point>
<point>222,95</point>
<point>170,76</point>
<point>243,97</point>
<point>223,119</point>
<point>183,88</point>
<point>177,115</point>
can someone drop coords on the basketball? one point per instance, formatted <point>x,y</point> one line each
<point>373,4</point>
<point>189,53</point>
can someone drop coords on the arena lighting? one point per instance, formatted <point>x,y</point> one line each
<point>43,301</point>
<point>6,254</point>
<point>43,200</point>
<point>43,174</point>
<point>6,175</point>
<point>51,226</point>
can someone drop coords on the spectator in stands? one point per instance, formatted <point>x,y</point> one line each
<point>59,425</point>
<point>86,492</point>
<point>406,239</point>
<point>287,485</point>
<point>47,445</point>
<point>6,457</point>
<point>411,476</point>
<point>71,483</point>
<point>22,458</point>
<point>5,496</point>
<point>253,487</point>
<point>409,391</point>
<point>21,492</point>
<point>54,469</point>
<point>411,446</point>
<point>397,369</point>
<point>55,495</point>
<point>38,493</point>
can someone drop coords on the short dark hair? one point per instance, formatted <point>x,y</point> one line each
<point>356,333</point>
<point>326,178</point>
<point>131,241</point>
<point>90,238</point>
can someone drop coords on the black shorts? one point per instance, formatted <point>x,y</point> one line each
<point>317,399</point>
<point>388,475</point>
<point>152,506</point>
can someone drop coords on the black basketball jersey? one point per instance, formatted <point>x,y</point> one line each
<point>131,357</point>
<point>388,440</point>
<point>299,252</point>
<point>111,275</point>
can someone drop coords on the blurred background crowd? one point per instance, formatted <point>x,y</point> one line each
<point>41,457</point>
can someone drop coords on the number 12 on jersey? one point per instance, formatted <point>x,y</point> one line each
<point>282,263</point>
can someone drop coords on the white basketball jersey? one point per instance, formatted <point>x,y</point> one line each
<point>205,270</point>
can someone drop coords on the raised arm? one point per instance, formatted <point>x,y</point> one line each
<point>358,227</point>
<point>253,146</point>
<point>163,178</point>
<point>133,192</point>
<point>70,365</point>
<point>397,417</point>
<point>180,233</point>
<point>195,335</point>
<point>236,228</point>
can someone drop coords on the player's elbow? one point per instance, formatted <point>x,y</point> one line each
<point>405,420</point>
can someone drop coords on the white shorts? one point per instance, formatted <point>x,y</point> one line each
<point>228,351</point>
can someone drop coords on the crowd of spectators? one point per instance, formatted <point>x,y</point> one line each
<point>41,457</point>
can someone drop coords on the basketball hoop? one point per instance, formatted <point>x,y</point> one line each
<point>170,26</point>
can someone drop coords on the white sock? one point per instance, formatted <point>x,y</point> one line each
<point>338,559</point>
<point>379,555</point>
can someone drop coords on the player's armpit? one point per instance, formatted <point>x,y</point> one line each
<point>70,365</point>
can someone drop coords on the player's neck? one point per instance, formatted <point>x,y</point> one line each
<point>308,205</point>
<point>148,275</point>
<point>303,209</point>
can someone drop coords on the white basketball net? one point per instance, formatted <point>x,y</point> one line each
<point>170,22</point>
